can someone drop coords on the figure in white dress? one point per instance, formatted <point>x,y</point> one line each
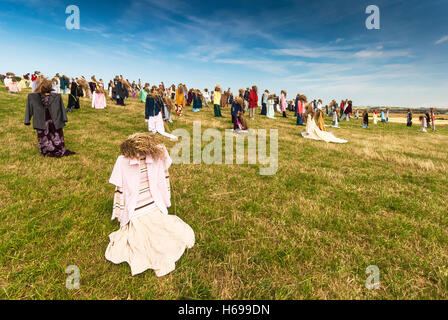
<point>313,132</point>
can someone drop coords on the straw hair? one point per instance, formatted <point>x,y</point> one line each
<point>44,86</point>
<point>303,98</point>
<point>309,109</point>
<point>239,101</point>
<point>141,145</point>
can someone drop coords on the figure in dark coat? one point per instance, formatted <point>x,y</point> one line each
<point>49,118</point>
<point>120,93</point>
<point>73,99</point>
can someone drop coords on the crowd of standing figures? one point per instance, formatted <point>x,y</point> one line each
<point>163,103</point>
<point>148,237</point>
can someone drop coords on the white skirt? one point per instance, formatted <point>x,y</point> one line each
<point>151,241</point>
<point>313,132</point>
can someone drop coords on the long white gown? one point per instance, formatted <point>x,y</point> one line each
<point>155,125</point>
<point>313,132</point>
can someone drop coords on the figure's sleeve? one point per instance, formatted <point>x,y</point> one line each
<point>118,208</point>
<point>28,112</point>
<point>63,111</point>
<point>116,177</point>
<point>167,164</point>
<point>147,107</point>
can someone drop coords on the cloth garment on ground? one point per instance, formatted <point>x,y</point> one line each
<point>156,125</point>
<point>313,132</point>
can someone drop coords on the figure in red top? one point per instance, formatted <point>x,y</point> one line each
<point>253,101</point>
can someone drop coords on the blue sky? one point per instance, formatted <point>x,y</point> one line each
<point>320,48</point>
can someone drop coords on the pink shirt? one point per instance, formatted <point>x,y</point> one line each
<point>283,102</point>
<point>299,107</point>
<point>126,175</point>
<point>14,87</point>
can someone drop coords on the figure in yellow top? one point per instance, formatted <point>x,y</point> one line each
<point>217,101</point>
<point>320,120</point>
<point>180,100</point>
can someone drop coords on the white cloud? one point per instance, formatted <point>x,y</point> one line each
<point>442,40</point>
<point>310,52</point>
<point>383,54</point>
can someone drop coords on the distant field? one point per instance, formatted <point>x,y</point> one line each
<point>308,232</point>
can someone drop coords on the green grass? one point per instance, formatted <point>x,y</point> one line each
<point>308,232</point>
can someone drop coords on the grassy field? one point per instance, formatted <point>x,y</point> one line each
<point>308,232</point>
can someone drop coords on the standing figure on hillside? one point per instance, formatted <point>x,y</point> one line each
<point>231,98</point>
<point>264,102</point>
<point>7,81</point>
<point>99,96</point>
<point>173,92</point>
<point>153,114</point>
<point>65,83</point>
<point>217,101</point>
<point>25,81</point>
<point>253,102</point>
<point>57,84</point>
<point>120,92</point>
<point>148,238</point>
<point>428,120</point>
<point>246,98</point>
<point>169,107</point>
<point>185,93</point>
<point>197,101</point>
<point>224,99</point>
<point>49,118</point>
<point>180,100</point>
<point>206,97</point>
<point>85,90</point>
<point>75,94</point>
<point>238,119</point>
<point>348,110</point>
<point>335,122</point>
<point>330,108</point>
<point>423,124</point>
<point>409,118</point>
<point>375,116</point>
<point>14,87</point>
<point>270,113</point>
<point>334,113</point>
<point>320,119</point>
<point>144,93</point>
<point>283,103</point>
<point>301,100</point>
<point>92,86</point>
<point>189,97</point>
<point>34,78</point>
<point>433,119</point>
<point>383,117</point>
<point>342,108</point>
<point>365,119</point>
<point>387,114</point>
